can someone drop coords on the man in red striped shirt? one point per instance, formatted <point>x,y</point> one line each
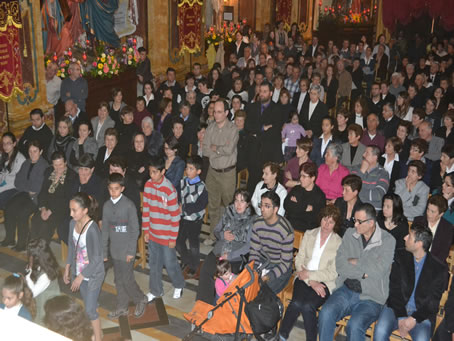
<point>160,223</point>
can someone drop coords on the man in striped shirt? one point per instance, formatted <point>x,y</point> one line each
<point>160,223</point>
<point>272,238</point>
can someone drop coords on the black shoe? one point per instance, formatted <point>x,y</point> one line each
<point>113,315</point>
<point>140,307</point>
<point>19,248</point>
<point>6,243</point>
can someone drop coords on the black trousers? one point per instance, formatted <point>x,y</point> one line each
<point>17,213</point>
<point>442,333</point>
<point>125,283</point>
<point>44,228</point>
<point>305,301</point>
<point>206,290</point>
<point>189,230</point>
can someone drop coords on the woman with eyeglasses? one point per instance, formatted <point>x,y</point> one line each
<point>233,235</point>
<point>391,218</point>
<point>315,273</point>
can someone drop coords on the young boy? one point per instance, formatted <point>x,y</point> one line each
<point>193,200</point>
<point>121,228</point>
<point>160,222</point>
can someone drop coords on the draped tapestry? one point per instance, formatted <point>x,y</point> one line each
<point>190,25</point>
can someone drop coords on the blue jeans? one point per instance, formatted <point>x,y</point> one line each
<point>345,302</point>
<point>163,256</point>
<point>90,298</point>
<point>387,323</point>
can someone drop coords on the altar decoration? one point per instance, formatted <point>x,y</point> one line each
<point>190,26</point>
<point>284,12</point>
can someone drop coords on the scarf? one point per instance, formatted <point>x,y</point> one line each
<point>55,182</point>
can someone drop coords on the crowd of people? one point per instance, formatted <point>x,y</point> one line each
<point>351,144</point>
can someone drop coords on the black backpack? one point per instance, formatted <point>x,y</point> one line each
<point>265,311</point>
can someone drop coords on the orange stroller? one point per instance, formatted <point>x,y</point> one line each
<point>227,320</point>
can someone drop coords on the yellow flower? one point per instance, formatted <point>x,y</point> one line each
<point>100,65</point>
<point>230,40</point>
<point>214,36</point>
<point>103,60</point>
<point>67,61</point>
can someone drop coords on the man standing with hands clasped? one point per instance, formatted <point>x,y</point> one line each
<point>220,146</point>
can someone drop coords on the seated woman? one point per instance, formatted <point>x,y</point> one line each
<point>138,161</point>
<point>101,123</point>
<point>448,194</point>
<point>126,129</point>
<point>11,161</point>
<point>233,234</point>
<point>106,152</point>
<point>390,160</point>
<point>292,169</point>
<point>53,199</point>
<point>19,208</point>
<point>315,274</point>
<point>349,202</point>
<point>441,169</point>
<point>116,105</point>
<point>269,183</point>
<point>63,140</point>
<point>391,218</point>
<point>322,142</point>
<point>403,131</point>
<point>418,149</point>
<point>163,121</point>
<point>174,164</point>
<point>153,138</point>
<point>343,119</point>
<point>440,227</point>
<point>304,202</point>
<point>353,150</point>
<point>85,144</point>
<point>331,173</point>
<point>413,191</point>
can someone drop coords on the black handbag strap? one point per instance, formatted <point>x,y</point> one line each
<point>78,239</point>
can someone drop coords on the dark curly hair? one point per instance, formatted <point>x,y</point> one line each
<point>65,316</point>
<point>42,260</point>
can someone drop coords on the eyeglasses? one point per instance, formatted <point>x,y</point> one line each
<point>360,221</point>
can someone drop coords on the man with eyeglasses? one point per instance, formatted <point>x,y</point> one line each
<point>272,240</point>
<point>363,262</point>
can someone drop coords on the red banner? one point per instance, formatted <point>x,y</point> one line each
<point>190,25</point>
<point>10,56</point>
<point>284,12</point>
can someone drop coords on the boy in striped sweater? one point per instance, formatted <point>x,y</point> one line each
<point>193,200</point>
<point>272,238</point>
<point>160,223</point>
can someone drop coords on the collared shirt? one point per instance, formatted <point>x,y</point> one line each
<point>276,95</point>
<point>301,101</point>
<point>116,200</point>
<point>53,90</point>
<point>371,136</point>
<point>74,118</point>
<point>312,108</point>
<point>225,139</point>
<point>184,118</point>
<point>317,253</point>
<point>450,169</point>
<point>359,120</point>
<point>433,229</point>
<point>291,86</point>
<point>38,129</point>
<point>325,143</point>
<point>411,304</point>
<point>388,165</point>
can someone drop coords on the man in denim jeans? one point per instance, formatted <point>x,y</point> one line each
<point>363,263</point>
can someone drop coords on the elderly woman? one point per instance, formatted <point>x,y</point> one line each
<point>233,234</point>
<point>19,208</point>
<point>85,144</point>
<point>63,140</point>
<point>353,150</point>
<point>53,199</point>
<point>304,202</point>
<point>390,160</point>
<point>174,164</point>
<point>153,138</point>
<point>349,202</point>
<point>269,183</point>
<point>412,190</point>
<point>292,169</point>
<point>106,152</point>
<point>315,274</point>
<point>138,161</point>
<point>101,123</point>
<point>331,173</point>
<point>391,218</point>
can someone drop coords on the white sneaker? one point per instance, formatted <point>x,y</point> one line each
<point>150,297</point>
<point>177,293</point>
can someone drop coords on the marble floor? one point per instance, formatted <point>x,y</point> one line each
<point>177,328</point>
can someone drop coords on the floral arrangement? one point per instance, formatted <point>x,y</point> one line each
<point>130,55</point>
<point>63,63</point>
<point>339,15</point>
<point>105,66</point>
<point>226,34</point>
